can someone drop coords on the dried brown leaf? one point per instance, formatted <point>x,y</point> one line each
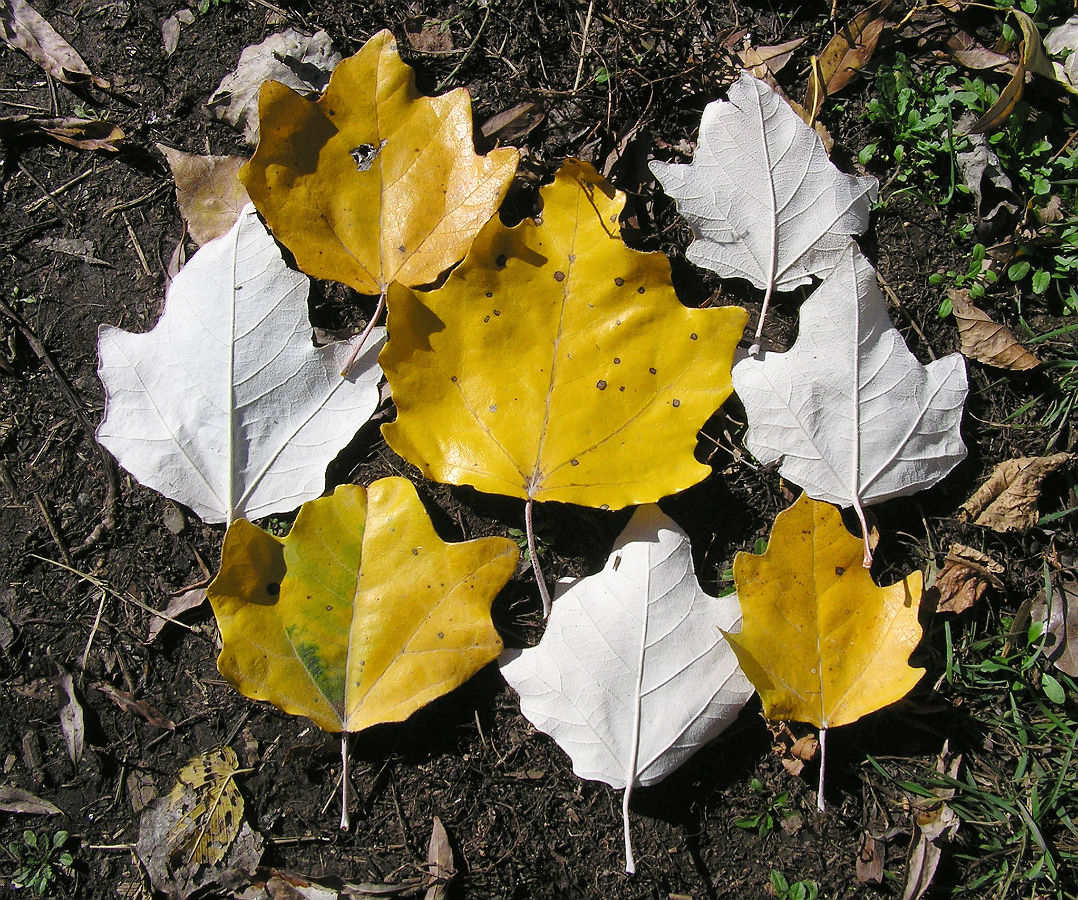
<point>85,134</point>
<point>440,863</point>
<point>845,55</point>
<point>761,61</point>
<point>208,192</point>
<point>16,800</point>
<point>986,341</point>
<point>514,123</point>
<point>936,822</point>
<point>181,603</point>
<point>72,723</point>
<point>1007,501</point>
<point>966,51</point>
<point>127,702</point>
<point>870,859</point>
<point>427,35</point>
<point>965,576</point>
<point>22,27</point>
<point>1059,614</point>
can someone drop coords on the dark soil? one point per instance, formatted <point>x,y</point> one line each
<point>521,823</point>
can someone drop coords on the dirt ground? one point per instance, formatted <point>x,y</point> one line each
<point>522,825</point>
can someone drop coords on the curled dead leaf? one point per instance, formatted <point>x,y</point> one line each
<point>870,859</point>
<point>1007,501</point>
<point>762,61</point>
<point>986,341</point>
<point>845,55</point>
<point>964,578</point>
<point>85,134</point>
<point>24,28</point>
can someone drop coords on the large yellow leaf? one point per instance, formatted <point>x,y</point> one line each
<point>373,183</point>
<point>819,640</point>
<point>362,614</point>
<point>556,363</point>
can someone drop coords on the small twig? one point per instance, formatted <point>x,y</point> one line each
<point>107,588</point>
<point>54,530</point>
<point>49,196</point>
<point>112,484</point>
<point>583,45</point>
<point>532,552</point>
<point>52,195</point>
<point>138,247</point>
<point>138,201</point>
<point>448,78</point>
<point>893,297</point>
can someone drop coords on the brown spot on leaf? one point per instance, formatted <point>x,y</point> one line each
<point>559,276</point>
<point>601,385</point>
<point>653,370</point>
<point>620,282</point>
<point>675,402</point>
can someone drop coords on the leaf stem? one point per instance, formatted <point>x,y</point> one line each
<point>366,334</point>
<point>821,805</point>
<point>864,533</point>
<point>630,860</point>
<point>754,350</point>
<point>529,529</point>
<point>346,816</point>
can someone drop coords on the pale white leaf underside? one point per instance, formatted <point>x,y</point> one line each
<point>851,414</point>
<point>226,405</point>
<point>763,199</point>
<point>632,675</point>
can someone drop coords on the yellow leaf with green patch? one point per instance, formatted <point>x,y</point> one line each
<point>208,807</point>
<point>820,641</point>
<point>373,183</point>
<point>362,614</point>
<point>556,363</point>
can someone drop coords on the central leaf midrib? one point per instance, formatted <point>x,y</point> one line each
<point>537,472</point>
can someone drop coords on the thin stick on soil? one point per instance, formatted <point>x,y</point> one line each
<point>346,817</point>
<point>366,334</point>
<point>529,529</point>
<point>820,804</point>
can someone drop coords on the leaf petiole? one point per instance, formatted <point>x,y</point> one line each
<point>362,340</point>
<point>533,553</point>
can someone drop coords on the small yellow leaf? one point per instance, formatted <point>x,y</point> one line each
<point>362,614</point>
<point>556,363</point>
<point>373,183</point>
<point>209,807</point>
<point>820,641</point>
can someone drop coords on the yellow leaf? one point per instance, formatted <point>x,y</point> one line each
<point>556,363</point>
<point>362,614</point>
<point>373,183</point>
<point>209,809</point>
<point>820,641</point>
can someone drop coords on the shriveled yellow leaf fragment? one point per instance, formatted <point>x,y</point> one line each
<point>373,183</point>
<point>556,363</point>
<point>362,614</point>
<point>209,809</point>
<point>820,642</point>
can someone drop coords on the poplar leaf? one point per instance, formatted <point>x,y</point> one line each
<point>632,675</point>
<point>819,640</point>
<point>557,364</point>
<point>849,412</point>
<point>226,405</point>
<point>763,199</point>
<point>362,614</point>
<point>373,183</point>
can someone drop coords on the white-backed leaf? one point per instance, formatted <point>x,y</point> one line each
<point>763,199</point>
<point>227,405</point>
<point>632,675</point>
<point>851,414</point>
